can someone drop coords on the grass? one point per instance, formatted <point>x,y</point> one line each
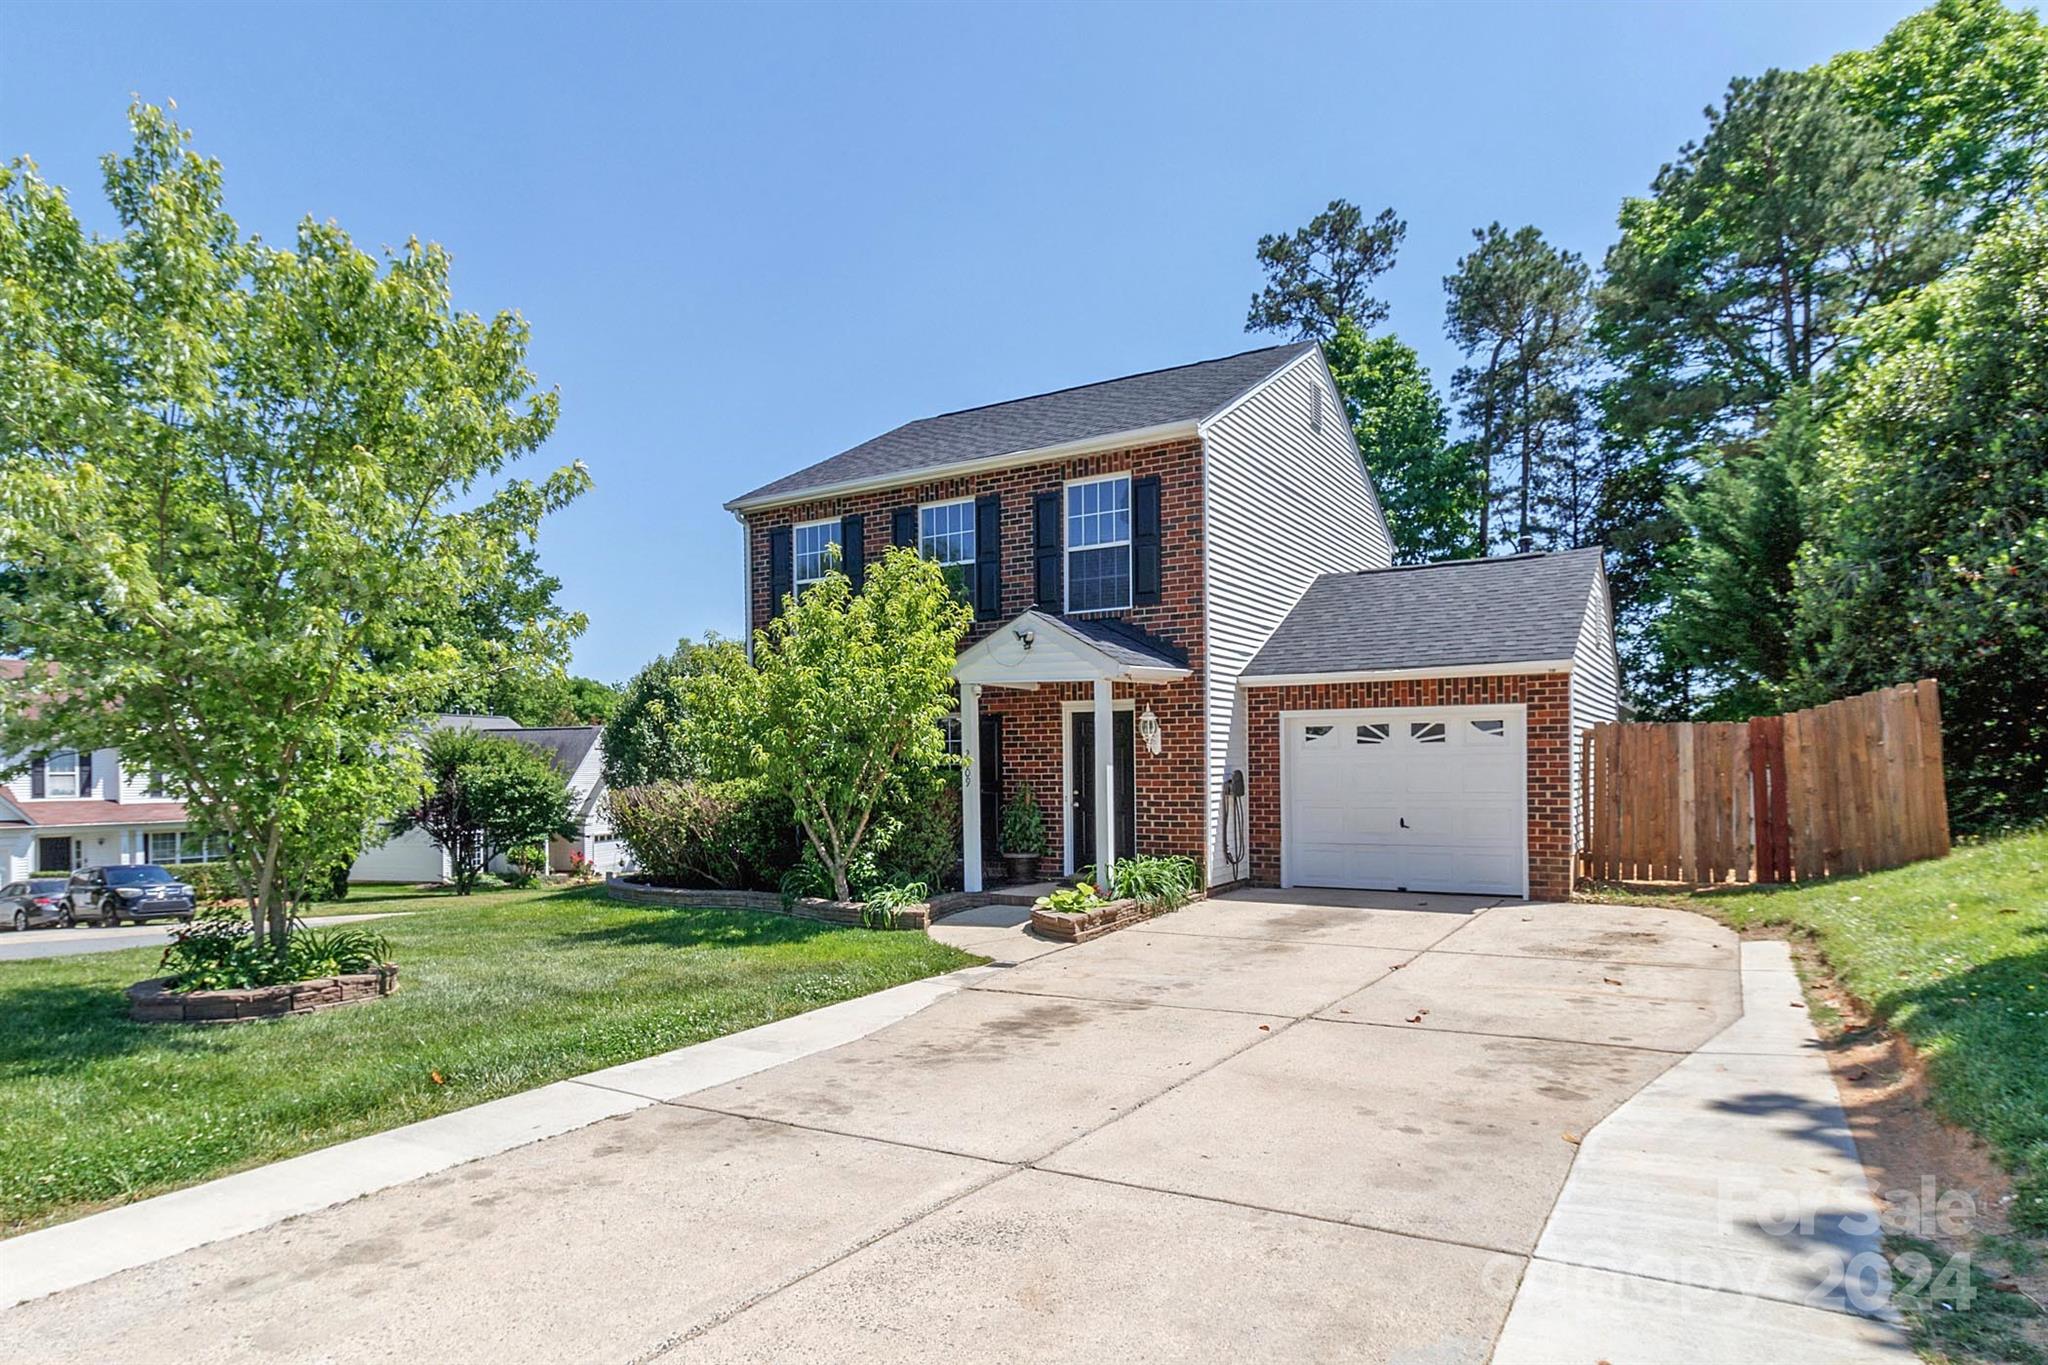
<point>499,992</point>
<point>1953,954</point>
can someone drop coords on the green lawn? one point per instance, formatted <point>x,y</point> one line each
<point>499,992</point>
<point>1954,955</point>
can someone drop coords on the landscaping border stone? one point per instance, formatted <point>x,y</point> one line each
<point>766,902</point>
<point>154,1002</point>
<point>1103,919</point>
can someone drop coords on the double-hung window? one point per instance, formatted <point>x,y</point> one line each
<point>176,847</point>
<point>1099,544</point>
<point>945,536</point>
<point>60,773</point>
<point>816,546</point>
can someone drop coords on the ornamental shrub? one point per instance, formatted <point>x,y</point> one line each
<point>732,835</point>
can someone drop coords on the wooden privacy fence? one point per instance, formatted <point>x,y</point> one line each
<point>1848,787</point>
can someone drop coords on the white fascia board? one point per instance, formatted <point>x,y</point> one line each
<point>1401,674</point>
<point>1115,440</point>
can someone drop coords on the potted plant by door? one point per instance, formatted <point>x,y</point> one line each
<point>1023,837</point>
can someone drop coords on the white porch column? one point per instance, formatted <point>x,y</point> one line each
<point>1105,777</point>
<point>970,786</point>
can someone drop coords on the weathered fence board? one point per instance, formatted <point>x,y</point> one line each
<point>1851,786</point>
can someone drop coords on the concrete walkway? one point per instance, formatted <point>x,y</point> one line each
<point>94,938</point>
<point>1721,1214</point>
<point>1274,1126</point>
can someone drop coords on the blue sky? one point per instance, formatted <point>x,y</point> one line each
<point>747,238</point>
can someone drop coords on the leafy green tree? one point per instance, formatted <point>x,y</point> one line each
<point>1929,550</point>
<point>1961,88</point>
<point>646,738</point>
<point>1518,309</point>
<point>840,710</point>
<point>1731,610</point>
<point>250,490</point>
<point>1428,487</point>
<point>1322,273</point>
<point>484,794</point>
<point>1733,283</point>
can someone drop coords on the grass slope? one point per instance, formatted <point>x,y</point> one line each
<point>1954,955</point>
<point>499,992</point>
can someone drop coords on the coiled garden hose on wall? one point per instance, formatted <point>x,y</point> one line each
<point>1233,823</point>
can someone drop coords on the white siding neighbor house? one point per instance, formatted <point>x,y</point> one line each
<point>74,808</point>
<point>578,754</point>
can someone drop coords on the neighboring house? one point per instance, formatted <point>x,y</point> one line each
<point>1194,561</point>
<point>73,808</point>
<point>577,752</point>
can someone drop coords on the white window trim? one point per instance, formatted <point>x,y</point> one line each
<point>50,775</point>
<point>197,853</point>
<point>1068,548</point>
<point>972,539</point>
<point>797,582</point>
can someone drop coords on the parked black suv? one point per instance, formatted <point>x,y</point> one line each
<point>137,891</point>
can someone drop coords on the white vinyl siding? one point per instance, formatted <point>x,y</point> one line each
<point>1595,686</point>
<point>1098,544</point>
<point>410,857</point>
<point>1283,504</point>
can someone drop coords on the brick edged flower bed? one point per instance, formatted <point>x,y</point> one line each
<point>154,1002</point>
<point>1103,919</point>
<point>767,902</point>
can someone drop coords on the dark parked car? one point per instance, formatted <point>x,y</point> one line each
<point>137,891</point>
<point>37,901</point>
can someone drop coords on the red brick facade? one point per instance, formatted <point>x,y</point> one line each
<point>1548,699</point>
<point>1171,787</point>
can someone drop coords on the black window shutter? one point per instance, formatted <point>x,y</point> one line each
<point>903,527</point>
<point>781,569</point>
<point>36,778</point>
<point>85,772</point>
<point>988,557</point>
<point>1045,548</point>
<point>853,549</point>
<point>1145,541</point>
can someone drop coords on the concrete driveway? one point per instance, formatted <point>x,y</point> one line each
<point>1274,1126</point>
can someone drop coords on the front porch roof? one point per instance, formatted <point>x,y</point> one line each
<point>1039,647</point>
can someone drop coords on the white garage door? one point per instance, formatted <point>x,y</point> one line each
<point>1422,800</point>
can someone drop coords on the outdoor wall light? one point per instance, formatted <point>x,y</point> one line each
<point>1148,730</point>
<point>1025,637</point>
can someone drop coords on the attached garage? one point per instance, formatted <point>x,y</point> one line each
<point>1416,728</point>
<point>1429,799</point>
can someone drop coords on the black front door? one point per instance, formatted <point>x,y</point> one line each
<point>53,855</point>
<point>1083,804</point>
<point>991,788</point>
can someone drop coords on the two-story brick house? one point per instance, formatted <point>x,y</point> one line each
<point>1193,561</point>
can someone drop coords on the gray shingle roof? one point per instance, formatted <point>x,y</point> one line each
<point>1509,609</point>
<point>566,745</point>
<point>1124,642</point>
<point>1186,393</point>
